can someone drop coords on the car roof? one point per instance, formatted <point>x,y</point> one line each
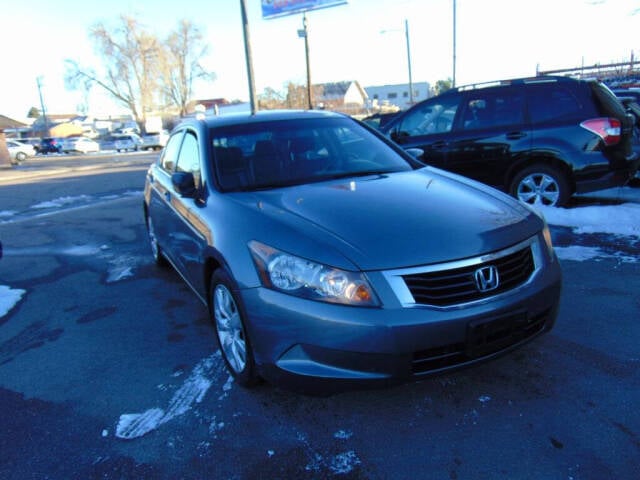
<point>518,81</point>
<point>260,116</point>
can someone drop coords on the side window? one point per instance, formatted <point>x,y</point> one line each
<point>170,152</point>
<point>549,103</point>
<point>430,117</point>
<point>486,109</point>
<point>189,158</point>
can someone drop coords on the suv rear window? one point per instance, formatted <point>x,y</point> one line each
<point>551,102</point>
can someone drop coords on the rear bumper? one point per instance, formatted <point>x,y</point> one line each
<point>604,178</point>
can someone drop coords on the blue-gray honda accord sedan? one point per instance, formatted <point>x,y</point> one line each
<point>328,256</point>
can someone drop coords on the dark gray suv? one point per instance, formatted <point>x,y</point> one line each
<point>541,139</point>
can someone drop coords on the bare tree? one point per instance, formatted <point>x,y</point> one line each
<point>296,96</point>
<point>270,99</point>
<point>181,65</point>
<point>131,63</point>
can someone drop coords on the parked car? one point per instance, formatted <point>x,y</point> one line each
<point>33,141</point>
<point>379,120</point>
<point>540,139</point>
<point>155,141</point>
<point>633,108</point>
<point>329,257</point>
<point>79,144</point>
<point>124,143</point>
<point>50,145</point>
<point>19,151</point>
<point>627,92</point>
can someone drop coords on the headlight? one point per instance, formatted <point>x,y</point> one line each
<point>546,234</point>
<point>304,278</point>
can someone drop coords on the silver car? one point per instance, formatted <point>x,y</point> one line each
<point>19,151</point>
<point>329,258</point>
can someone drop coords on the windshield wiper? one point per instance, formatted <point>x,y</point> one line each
<point>365,173</point>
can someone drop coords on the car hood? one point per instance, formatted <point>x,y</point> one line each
<point>394,220</point>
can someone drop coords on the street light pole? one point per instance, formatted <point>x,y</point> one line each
<point>249,60</point>
<point>406,34</point>
<point>453,80</point>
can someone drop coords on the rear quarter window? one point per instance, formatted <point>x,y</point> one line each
<point>553,102</point>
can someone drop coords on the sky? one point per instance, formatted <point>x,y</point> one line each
<point>363,40</point>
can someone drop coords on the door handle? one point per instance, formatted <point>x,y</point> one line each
<point>167,196</point>
<point>439,145</point>
<point>515,135</point>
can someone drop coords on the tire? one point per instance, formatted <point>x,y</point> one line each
<point>21,157</point>
<point>541,185</point>
<point>229,322</point>
<point>156,251</point>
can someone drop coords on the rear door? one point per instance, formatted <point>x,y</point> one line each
<point>489,135</point>
<point>160,209</point>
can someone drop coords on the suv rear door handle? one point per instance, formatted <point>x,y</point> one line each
<point>439,145</point>
<point>515,135</point>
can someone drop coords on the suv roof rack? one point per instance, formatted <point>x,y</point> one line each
<point>514,81</point>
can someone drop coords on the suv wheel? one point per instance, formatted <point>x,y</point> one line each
<point>541,185</point>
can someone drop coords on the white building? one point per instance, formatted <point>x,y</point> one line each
<point>398,95</point>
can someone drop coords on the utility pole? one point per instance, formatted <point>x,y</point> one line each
<point>304,33</point>
<point>247,52</point>
<point>406,34</point>
<point>44,112</point>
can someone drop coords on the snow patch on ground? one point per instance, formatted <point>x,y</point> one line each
<point>120,268</point>
<point>81,251</point>
<point>339,464</point>
<point>614,219</point>
<point>578,253</point>
<point>192,391</point>
<point>9,298</point>
<point>61,202</point>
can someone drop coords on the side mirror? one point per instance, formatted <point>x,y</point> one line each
<point>415,152</point>
<point>184,183</point>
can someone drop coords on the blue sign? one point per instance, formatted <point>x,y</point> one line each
<point>280,8</point>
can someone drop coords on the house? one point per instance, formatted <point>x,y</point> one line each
<point>388,95</point>
<point>7,123</point>
<point>346,96</point>
<point>59,125</point>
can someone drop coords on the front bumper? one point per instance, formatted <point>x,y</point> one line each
<point>308,345</point>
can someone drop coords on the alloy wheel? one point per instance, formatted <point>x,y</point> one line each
<point>229,327</point>
<point>539,189</point>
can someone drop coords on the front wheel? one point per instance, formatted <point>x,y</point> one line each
<point>541,185</point>
<point>21,157</point>
<point>228,318</point>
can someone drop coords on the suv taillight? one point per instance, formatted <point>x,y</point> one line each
<point>608,129</point>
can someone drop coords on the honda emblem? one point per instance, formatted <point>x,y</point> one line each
<point>486,278</point>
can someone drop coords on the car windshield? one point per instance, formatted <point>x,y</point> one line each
<point>275,154</point>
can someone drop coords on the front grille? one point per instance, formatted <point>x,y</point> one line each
<point>456,286</point>
<point>484,338</point>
